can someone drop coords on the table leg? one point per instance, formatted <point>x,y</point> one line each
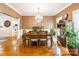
<point>51,41</point>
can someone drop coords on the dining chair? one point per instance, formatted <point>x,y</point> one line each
<point>43,37</point>
<point>34,37</point>
<point>26,40</point>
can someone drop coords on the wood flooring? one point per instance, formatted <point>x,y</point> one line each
<point>14,47</point>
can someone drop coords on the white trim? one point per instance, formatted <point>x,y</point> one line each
<point>12,8</point>
<point>64,8</point>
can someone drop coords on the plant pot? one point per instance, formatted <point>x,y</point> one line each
<point>72,51</point>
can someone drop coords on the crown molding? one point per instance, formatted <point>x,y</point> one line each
<point>13,8</point>
<point>63,8</point>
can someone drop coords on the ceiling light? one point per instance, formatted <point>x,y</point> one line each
<point>38,17</point>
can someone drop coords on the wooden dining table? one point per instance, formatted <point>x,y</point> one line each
<point>28,36</point>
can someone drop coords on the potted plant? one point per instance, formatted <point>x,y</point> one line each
<point>53,31</point>
<point>72,40</point>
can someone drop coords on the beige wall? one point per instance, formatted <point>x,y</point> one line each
<point>48,21</point>
<point>29,21</point>
<point>5,9</point>
<point>69,10</point>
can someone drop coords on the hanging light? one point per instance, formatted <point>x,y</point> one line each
<point>38,17</point>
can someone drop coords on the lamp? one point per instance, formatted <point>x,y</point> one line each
<point>38,17</point>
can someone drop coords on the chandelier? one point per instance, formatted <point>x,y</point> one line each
<point>38,17</point>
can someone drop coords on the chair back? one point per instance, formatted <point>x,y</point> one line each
<point>24,31</point>
<point>43,34</point>
<point>33,35</point>
<point>23,35</point>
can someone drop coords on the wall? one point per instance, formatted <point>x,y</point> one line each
<point>7,31</point>
<point>29,21</point>
<point>9,14</point>
<point>68,10</point>
<point>4,8</point>
<point>7,10</point>
<point>48,22</point>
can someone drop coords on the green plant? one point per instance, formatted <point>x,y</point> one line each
<point>54,31</point>
<point>72,36</point>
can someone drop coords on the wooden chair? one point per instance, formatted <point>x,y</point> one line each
<point>43,37</point>
<point>25,38</point>
<point>34,37</point>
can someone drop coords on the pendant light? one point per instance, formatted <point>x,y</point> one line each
<point>38,17</point>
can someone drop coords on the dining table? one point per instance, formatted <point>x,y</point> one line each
<point>28,36</point>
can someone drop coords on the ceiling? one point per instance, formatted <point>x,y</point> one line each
<point>45,9</point>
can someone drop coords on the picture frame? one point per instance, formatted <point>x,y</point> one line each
<point>7,23</point>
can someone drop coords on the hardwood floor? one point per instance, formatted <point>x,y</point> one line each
<point>14,47</point>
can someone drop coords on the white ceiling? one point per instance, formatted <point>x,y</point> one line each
<point>31,9</point>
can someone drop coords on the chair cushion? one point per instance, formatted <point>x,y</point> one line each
<point>43,39</point>
<point>34,39</point>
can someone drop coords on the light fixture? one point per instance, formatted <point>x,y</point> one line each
<point>38,17</point>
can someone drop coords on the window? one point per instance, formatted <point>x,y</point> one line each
<point>76,20</point>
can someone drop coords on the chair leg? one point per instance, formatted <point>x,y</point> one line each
<point>46,42</point>
<point>38,43</point>
<point>29,42</point>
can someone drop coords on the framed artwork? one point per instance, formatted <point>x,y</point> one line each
<point>7,23</point>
